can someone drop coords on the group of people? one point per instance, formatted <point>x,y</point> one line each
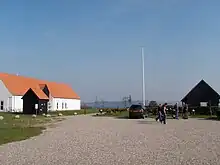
<point>162,115</point>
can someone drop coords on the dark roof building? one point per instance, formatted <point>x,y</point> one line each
<point>202,92</point>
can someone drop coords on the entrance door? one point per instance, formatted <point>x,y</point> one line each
<point>43,106</point>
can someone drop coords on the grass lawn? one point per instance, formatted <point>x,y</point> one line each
<point>117,114</point>
<point>213,117</point>
<point>26,126</point>
<point>12,129</point>
<point>71,112</point>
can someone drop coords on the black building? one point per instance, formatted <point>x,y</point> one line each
<point>35,100</point>
<point>202,92</point>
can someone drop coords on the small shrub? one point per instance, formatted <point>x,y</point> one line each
<point>17,117</point>
<point>48,115</point>
<point>218,114</point>
<point>34,116</point>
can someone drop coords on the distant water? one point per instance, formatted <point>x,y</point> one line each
<point>116,104</point>
<point>111,104</point>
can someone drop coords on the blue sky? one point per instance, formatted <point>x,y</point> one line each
<point>95,45</point>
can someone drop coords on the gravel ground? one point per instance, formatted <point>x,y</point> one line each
<point>86,140</point>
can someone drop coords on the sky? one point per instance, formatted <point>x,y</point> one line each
<point>95,45</point>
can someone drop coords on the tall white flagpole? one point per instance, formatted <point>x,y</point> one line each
<point>143,77</point>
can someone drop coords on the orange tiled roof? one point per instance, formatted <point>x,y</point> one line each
<point>19,85</point>
<point>40,94</point>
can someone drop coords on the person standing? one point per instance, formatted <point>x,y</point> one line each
<point>159,115</point>
<point>164,107</point>
<point>185,111</point>
<point>177,111</point>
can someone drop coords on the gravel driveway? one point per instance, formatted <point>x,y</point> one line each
<point>86,140</point>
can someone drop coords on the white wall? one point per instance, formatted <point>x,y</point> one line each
<point>4,96</point>
<point>71,104</point>
<point>16,103</point>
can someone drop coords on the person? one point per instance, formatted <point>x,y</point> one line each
<point>159,113</point>
<point>185,111</point>
<point>177,111</point>
<point>163,112</point>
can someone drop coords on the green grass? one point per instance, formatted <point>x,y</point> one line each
<point>18,133</point>
<point>71,112</point>
<point>213,117</point>
<point>26,126</point>
<point>117,114</point>
<point>123,114</point>
<point>12,129</point>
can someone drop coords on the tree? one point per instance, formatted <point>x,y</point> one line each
<point>153,104</point>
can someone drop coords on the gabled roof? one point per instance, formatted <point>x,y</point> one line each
<point>19,85</point>
<point>39,93</point>
<point>202,88</point>
<point>42,86</point>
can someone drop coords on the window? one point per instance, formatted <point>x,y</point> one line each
<point>65,105</point>
<point>62,105</point>
<point>57,105</point>
<point>2,105</point>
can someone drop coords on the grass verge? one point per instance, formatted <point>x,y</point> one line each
<point>26,126</point>
<point>71,112</point>
<point>123,114</point>
<point>207,117</point>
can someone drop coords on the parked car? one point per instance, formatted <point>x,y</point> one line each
<point>137,111</point>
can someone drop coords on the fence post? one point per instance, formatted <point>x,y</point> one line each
<point>210,108</point>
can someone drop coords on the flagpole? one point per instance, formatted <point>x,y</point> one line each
<point>143,77</point>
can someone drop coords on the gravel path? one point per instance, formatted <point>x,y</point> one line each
<point>86,140</point>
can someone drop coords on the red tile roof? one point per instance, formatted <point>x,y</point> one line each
<point>39,93</point>
<point>19,85</point>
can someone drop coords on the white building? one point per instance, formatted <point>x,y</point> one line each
<point>24,94</point>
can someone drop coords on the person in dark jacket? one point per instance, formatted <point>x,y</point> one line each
<point>185,111</point>
<point>176,107</point>
<point>163,112</point>
<point>159,115</point>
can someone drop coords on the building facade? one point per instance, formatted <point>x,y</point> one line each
<point>19,92</point>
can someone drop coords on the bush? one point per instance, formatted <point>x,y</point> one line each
<point>154,111</point>
<point>218,114</point>
<point>203,111</point>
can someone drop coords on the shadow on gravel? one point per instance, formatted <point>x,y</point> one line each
<point>113,116</point>
<point>210,118</point>
<point>146,122</point>
<point>121,117</point>
<point>98,115</point>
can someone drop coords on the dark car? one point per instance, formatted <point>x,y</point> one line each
<point>136,111</point>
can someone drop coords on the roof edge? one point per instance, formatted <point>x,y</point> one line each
<point>196,86</point>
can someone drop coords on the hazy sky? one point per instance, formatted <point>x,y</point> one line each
<point>94,45</point>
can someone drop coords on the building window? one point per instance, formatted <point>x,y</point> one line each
<point>62,105</point>
<point>57,105</point>
<point>65,105</point>
<point>2,105</point>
